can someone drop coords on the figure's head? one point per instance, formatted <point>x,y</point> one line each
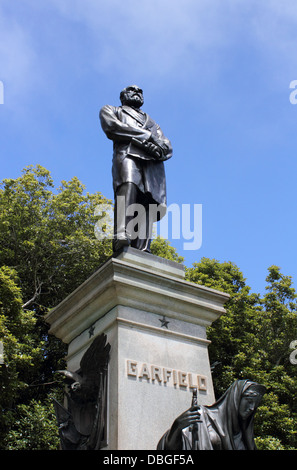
<point>132,96</point>
<point>251,399</point>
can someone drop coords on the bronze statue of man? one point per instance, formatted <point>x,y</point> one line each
<point>139,150</point>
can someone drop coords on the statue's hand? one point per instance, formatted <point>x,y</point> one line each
<point>153,149</point>
<point>189,417</point>
<point>186,419</point>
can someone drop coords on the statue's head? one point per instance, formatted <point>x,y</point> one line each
<point>132,96</point>
<point>251,399</point>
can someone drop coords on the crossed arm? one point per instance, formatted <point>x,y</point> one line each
<point>119,131</point>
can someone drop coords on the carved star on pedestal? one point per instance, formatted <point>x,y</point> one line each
<point>164,322</point>
<point>91,331</point>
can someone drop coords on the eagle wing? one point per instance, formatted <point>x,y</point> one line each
<point>95,359</point>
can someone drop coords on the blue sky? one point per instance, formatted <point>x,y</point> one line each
<point>216,76</point>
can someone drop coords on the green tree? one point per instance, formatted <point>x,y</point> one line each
<point>22,350</point>
<point>48,248</point>
<point>47,235</point>
<point>34,427</point>
<point>277,329</point>
<point>161,247</point>
<point>252,341</point>
<point>234,332</point>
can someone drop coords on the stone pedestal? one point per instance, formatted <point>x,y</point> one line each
<point>155,322</point>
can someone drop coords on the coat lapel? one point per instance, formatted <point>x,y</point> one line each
<point>134,114</point>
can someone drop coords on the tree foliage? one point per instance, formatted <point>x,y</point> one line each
<point>47,235</point>
<point>22,349</point>
<point>252,341</point>
<point>161,247</point>
<point>48,248</point>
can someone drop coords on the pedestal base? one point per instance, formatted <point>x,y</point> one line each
<point>155,322</point>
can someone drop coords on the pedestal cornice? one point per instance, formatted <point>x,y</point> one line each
<point>141,282</point>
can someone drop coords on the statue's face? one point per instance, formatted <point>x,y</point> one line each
<point>248,405</point>
<point>133,96</point>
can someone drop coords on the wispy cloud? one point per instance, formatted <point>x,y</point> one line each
<point>159,40</point>
<point>18,59</point>
<point>153,36</point>
<point>171,38</point>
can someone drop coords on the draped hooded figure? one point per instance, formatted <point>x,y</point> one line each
<point>228,424</point>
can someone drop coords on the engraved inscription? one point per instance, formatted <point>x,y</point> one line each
<point>165,375</point>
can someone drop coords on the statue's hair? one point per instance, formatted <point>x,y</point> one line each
<point>122,95</point>
<point>123,92</point>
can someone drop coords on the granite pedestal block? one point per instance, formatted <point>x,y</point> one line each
<point>155,322</point>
